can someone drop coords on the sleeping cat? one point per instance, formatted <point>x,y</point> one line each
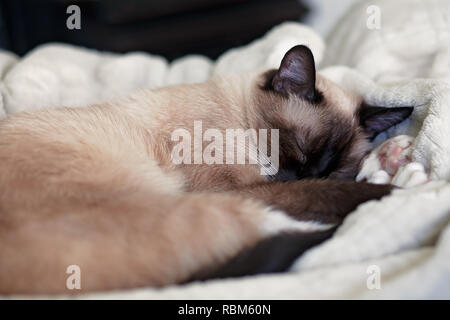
<point>96,187</point>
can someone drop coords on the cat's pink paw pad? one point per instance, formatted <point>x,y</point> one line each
<point>391,163</point>
<point>395,153</point>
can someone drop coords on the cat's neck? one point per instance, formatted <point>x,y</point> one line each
<point>224,102</point>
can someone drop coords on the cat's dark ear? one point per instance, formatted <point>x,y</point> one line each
<point>297,73</point>
<point>375,120</point>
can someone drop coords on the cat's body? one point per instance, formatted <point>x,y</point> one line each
<point>96,187</point>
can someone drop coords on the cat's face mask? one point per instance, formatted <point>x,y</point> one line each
<point>324,130</point>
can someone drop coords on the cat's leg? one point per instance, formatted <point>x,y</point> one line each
<point>271,255</point>
<point>323,201</point>
<point>138,238</point>
<point>314,202</point>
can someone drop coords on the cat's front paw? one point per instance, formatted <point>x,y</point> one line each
<point>410,175</point>
<point>391,163</point>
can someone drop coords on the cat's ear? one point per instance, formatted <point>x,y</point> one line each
<point>375,120</point>
<point>297,73</point>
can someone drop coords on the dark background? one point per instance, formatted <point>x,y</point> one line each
<point>171,28</point>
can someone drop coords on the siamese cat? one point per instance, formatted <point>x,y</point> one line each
<point>97,188</point>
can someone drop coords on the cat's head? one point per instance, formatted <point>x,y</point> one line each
<point>324,131</point>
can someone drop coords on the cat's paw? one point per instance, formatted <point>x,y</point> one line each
<point>391,163</point>
<point>394,153</point>
<point>410,175</point>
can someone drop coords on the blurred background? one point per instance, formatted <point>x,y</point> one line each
<point>171,28</point>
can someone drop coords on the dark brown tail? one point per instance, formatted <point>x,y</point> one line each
<point>272,255</point>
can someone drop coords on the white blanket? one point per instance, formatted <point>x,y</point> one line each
<point>398,247</point>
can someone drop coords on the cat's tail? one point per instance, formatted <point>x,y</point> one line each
<point>272,255</point>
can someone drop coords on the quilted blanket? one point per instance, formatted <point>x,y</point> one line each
<point>398,247</point>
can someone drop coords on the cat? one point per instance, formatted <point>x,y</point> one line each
<point>97,188</point>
